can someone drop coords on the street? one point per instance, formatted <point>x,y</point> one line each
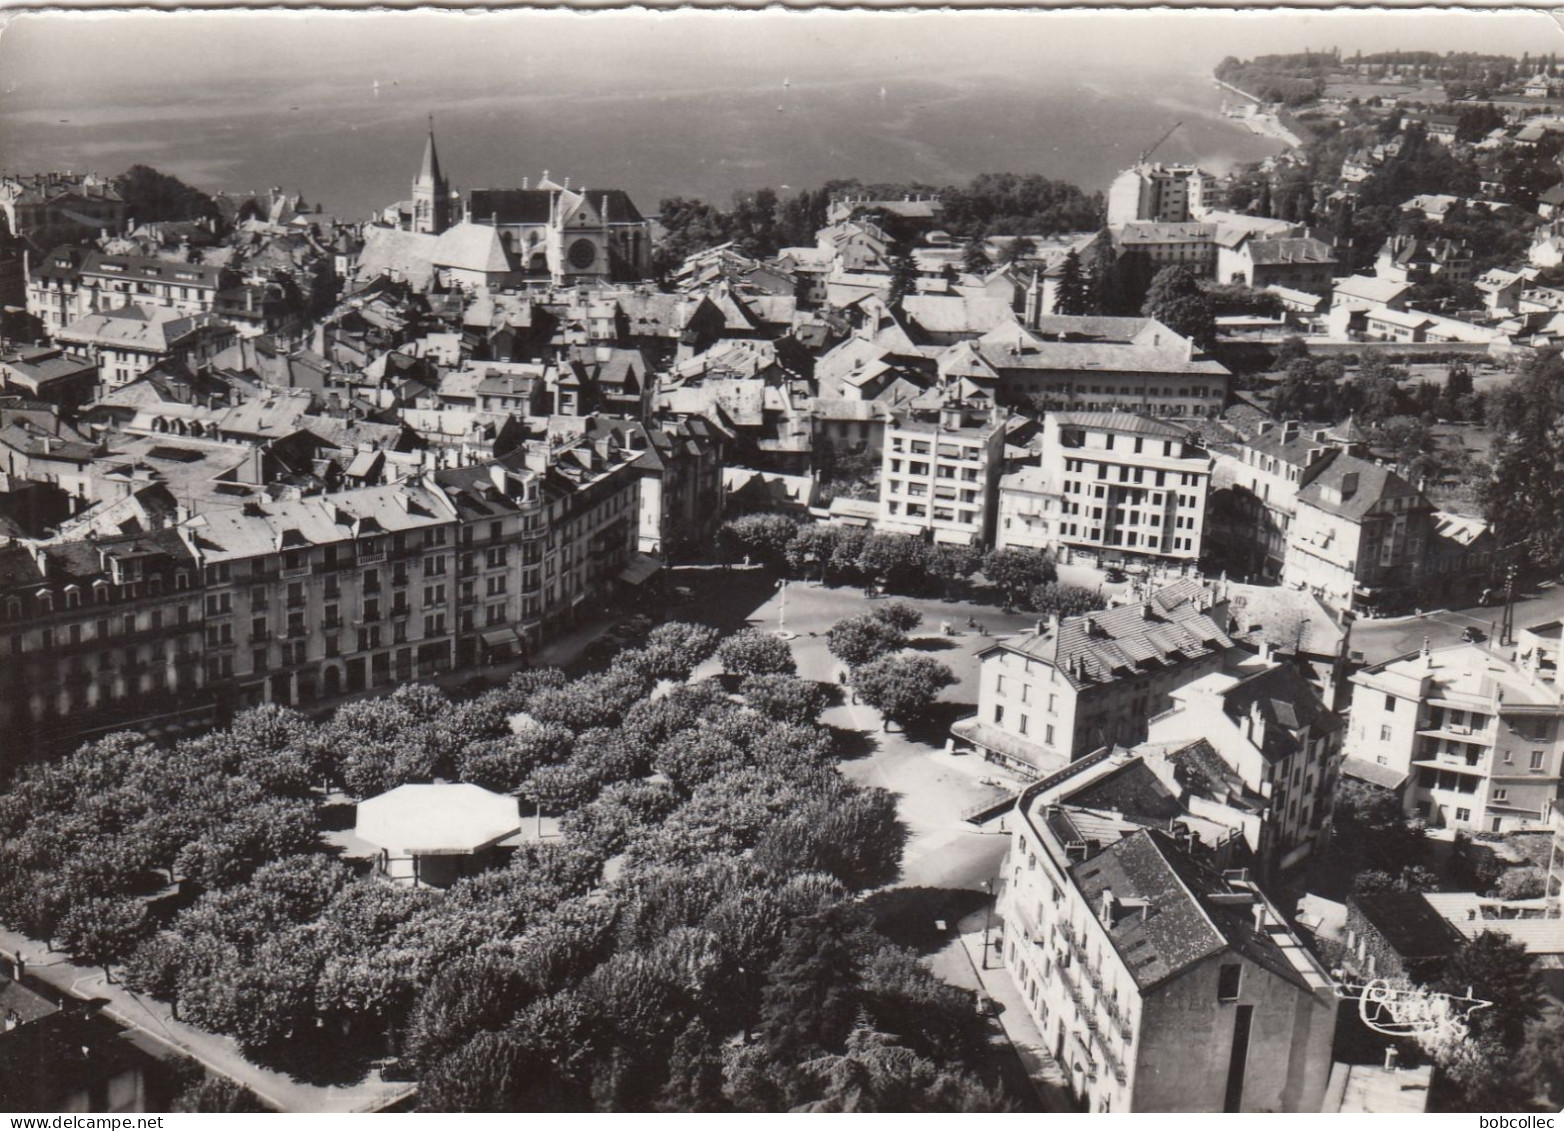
<point>1381,640</point>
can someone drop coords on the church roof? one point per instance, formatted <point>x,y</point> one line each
<point>531,205</point>
<point>471,247</point>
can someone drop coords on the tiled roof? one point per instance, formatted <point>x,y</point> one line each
<point>154,329</point>
<point>1386,777</point>
<point>1148,231</point>
<point>149,268</point>
<point>1370,289</point>
<point>1374,483</point>
<point>1101,357</point>
<point>1173,911</point>
<point>1130,423</point>
<point>1170,628</point>
<point>1294,250</point>
<point>1286,702</point>
<point>470,247</point>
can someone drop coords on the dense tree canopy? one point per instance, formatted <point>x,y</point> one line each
<point>1523,499</point>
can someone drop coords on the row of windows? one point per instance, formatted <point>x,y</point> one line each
<point>72,596</point>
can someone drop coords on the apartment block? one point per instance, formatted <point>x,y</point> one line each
<point>1359,536</point>
<point>1169,194</point>
<point>95,632</point>
<point>1472,739</point>
<point>939,475</point>
<point>1161,979</point>
<point>74,282</point>
<point>1086,364</point>
<point>1087,681</point>
<point>1130,488</point>
<point>303,600</point>
<point>1255,487</point>
<point>128,341</point>
<point>1277,743</point>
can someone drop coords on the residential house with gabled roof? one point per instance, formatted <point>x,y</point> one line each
<point>1359,536</point>
<point>1076,684</point>
<point>49,374</point>
<point>1396,934</point>
<point>1296,262</point>
<point>1550,202</point>
<point>1409,259</point>
<point>604,379</point>
<point>1160,981</point>
<point>28,451</point>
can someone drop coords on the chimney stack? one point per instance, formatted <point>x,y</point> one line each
<point>1259,918</point>
<point>1108,904</point>
<point>1392,1058</point>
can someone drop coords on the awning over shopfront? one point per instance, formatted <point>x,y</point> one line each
<point>641,569</point>
<point>501,641</point>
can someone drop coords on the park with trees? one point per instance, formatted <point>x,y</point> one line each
<point>692,940</point>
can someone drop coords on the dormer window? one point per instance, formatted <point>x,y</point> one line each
<point>72,597</point>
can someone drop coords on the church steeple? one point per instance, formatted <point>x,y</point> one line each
<point>431,193</point>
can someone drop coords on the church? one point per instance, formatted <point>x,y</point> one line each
<point>549,234</point>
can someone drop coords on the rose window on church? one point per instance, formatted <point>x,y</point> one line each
<point>582,254</point>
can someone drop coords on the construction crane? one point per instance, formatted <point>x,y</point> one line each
<point>1156,145</point>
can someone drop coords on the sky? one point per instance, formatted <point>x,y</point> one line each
<point>164,54</point>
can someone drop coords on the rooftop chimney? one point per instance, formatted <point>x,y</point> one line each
<point>1108,904</point>
<point>1349,484</point>
<point>1392,1058</point>
<point>1259,918</point>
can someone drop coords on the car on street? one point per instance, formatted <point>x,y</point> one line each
<point>1473,635</point>
<point>1115,575</point>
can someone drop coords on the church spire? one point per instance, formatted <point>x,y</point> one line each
<point>429,171</point>
<point>431,193</point>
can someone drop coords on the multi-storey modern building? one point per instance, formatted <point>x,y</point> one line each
<point>1130,488</point>
<point>1474,740</point>
<point>939,475</point>
<point>1161,980</point>
<point>1278,741</point>
<point>1075,685</point>
<point>1169,194</point>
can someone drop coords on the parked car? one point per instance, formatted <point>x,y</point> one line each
<point>1473,635</point>
<point>1116,575</point>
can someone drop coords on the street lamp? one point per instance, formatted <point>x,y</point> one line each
<point>782,612</point>
<point>988,917</point>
